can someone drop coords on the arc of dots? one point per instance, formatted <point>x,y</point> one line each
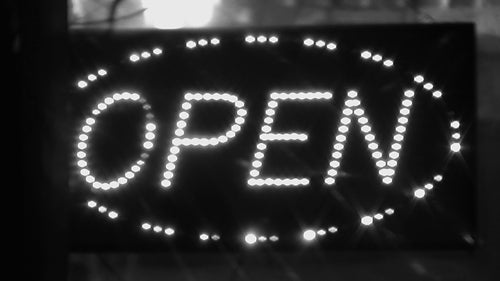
<point>261,39</point>
<point>92,77</point>
<point>103,209</point>
<point>191,44</point>
<point>320,43</point>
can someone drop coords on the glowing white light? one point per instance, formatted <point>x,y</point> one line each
<point>214,41</point>
<point>145,54</point>
<point>157,51</point>
<point>262,238</point>
<point>174,14</point>
<point>202,42</point>
<point>389,211</point>
<point>274,238</point>
<point>215,237</point>
<point>378,216</point>
<point>91,204</point>
<point>455,124</point>
<point>419,193</point>
<point>456,136</point>
<point>261,39</point>
<point>146,226</point>
<point>366,54</point>
<point>321,232</point>
<point>82,145</point>
<point>377,58</point>
<point>429,186</point>
<point>150,127</point>
<point>250,238</point>
<point>102,72</point>
<point>157,229</point>
<point>308,42</point>
<point>418,78</point>
<point>134,57</point>
<point>190,44</point>
<point>332,229</point>
<point>455,147</point>
<point>388,63</point>
<point>82,84</point>
<point>331,46</point>
<point>320,43</point>
<point>102,209</point>
<point>367,220</point>
<point>309,235</point>
<point>387,180</point>
<point>428,86</point>
<point>437,94</point>
<point>250,39</point>
<point>147,145</point>
<point>169,231</point>
<point>438,178</point>
<point>92,77</point>
<point>113,215</point>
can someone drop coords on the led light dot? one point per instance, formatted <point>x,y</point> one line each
<point>190,44</point>
<point>437,94</point>
<point>367,220</point>
<point>308,42</point>
<point>321,232</point>
<point>169,231</point>
<point>102,209</point>
<point>428,86</point>
<point>455,124</point>
<point>250,238</point>
<point>418,78</point>
<point>377,57</point>
<point>250,39</point>
<point>215,41</point>
<point>113,215</point>
<point>102,72</point>
<point>320,43</point>
<point>91,204</point>
<point>438,178</point>
<point>134,58</point>
<point>145,55</point>
<point>378,216</point>
<point>331,46</point>
<point>419,193</point>
<point>366,54</point>
<point>455,147</point>
<point>157,51</point>
<point>202,42</point>
<point>273,39</point>
<point>91,77</point>
<point>388,63</point>
<point>146,226</point>
<point>261,39</point>
<point>429,186</point>
<point>309,235</point>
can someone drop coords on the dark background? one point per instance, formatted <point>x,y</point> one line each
<point>39,40</point>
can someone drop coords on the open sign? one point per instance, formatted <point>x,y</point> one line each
<point>216,137</point>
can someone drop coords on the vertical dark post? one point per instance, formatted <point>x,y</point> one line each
<point>40,50</point>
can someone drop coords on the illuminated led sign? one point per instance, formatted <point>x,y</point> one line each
<point>285,137</point>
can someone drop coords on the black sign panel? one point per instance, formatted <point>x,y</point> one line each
<point>337,137</point>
